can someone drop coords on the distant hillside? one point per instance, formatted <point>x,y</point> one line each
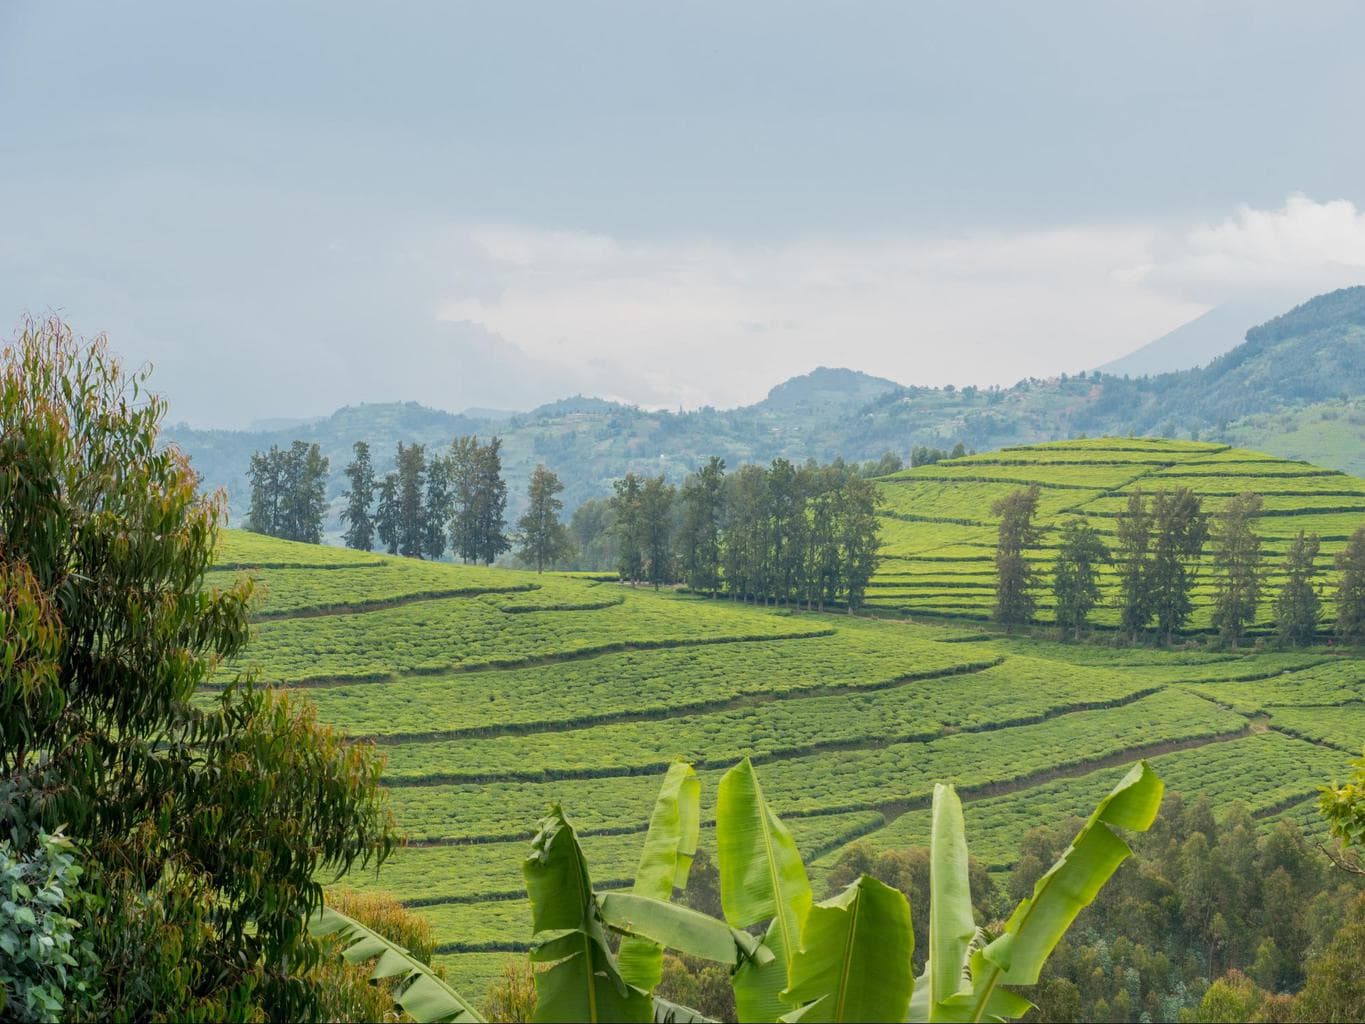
<point>1201,340</point>
<point>1293,388</point>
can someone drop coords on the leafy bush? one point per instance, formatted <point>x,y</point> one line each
<point>46,971</point>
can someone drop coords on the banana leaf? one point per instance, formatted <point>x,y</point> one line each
<point>854,963</point>
<point>761,879</point>
<point>582,982</point>
<point>951,923</point>
<point>682,928</point>
<point>1040,920</point>
<point>670,845</point>
<point>421,994</point>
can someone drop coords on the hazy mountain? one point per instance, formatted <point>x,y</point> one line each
<point>1201,340</point>
<point>1299,374</point>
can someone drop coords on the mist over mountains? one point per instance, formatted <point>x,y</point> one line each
<point>1294,387</point>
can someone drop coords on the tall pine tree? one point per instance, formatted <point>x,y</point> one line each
<point>1351,590</point>
<point>1076,575</point>
<point>490,503</point>
<point>359,499</point>
<point>628,529</point>
<point>436,507</point>
<point>703,507</point>
<point>656,530</point>
<point>1298,607</point>
<point>1015,577</point>
<point>543,537</point>
<point>1136,604</point>
<point>412,471</point>
<point>1179,530</point>
<point>386,514</point>
<point>1236,567</point>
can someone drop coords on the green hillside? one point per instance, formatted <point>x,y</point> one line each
<point>495,692</point>
<point>940,534</point>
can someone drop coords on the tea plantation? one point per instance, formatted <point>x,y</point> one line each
<point>940,535</point>
<point>495,692</point>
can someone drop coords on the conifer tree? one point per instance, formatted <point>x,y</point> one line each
<point>1179,529</point>
<point>1076,576</point>
<point>859,537</point>
<point>544,538</point>
<point>656,530</point>
<point>1351,590</point>
<point>1298,607</point>
<point>1236,566</point>
<point>1134,561</point>
<point>702,497</point>
<point>386,515</point>
<point>359,499</point>
<point>266,485</point>
<point>412,470</point>
<point>1015,577</point>
<point>436,507</point>
<point>490,503</point>
<point>462,482</point>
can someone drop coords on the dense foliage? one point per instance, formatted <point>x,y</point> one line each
<point>201,826</point>
<point>289,492</point>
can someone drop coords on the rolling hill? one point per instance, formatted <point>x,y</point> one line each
<point>1293,388</point>
<point>494,692</point>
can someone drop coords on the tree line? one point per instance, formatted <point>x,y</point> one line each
<point>1159,546</point>
<point>778,534</point>
<point>288,492</point>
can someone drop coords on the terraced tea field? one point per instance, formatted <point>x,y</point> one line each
<point>940,536</point>
<point>494,692</point>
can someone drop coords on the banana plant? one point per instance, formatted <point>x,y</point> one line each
<point>424,996</point>
<point>847,958</point>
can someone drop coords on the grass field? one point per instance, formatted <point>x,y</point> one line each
<point>494,692</point>
<point>940,535</point>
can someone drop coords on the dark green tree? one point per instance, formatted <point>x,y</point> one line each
<point>656,530</point>
<point>1298,606</point>
<point>436,507</point>
<point>386,514</point>
<point>859,537</point>
<point>1134,554</point>
<point>745,555</point>
<point>1179,530</point>
<point>1076,576</point>
<point>1015,578</point>
<point>786,528</point>
<point>462,462</point>
<point>267,484</point>
<point>1351,589</point>
<point>543,538</point>
<point>359,499</point>
<point>628,528</point>
<point>304,501</point>
<point>1236,567</point>
<point>203,822</point>
<point>411,466</point>
<point>703,511</point>
<point>592,536</point>
<point>490,503</point>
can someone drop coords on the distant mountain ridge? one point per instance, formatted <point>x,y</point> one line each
<point>1302,373</point>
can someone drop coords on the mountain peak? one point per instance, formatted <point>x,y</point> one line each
<point>825,385</point>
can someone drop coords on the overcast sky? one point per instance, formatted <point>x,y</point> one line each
<point>291,207</point>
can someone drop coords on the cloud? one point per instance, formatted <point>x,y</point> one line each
<point>1303,245</point>
<point>693,321</point>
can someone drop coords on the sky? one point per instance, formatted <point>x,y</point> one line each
<point>289,207</point>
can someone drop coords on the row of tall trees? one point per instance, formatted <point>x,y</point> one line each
<point>784,534</point>
<point>456,500</point>
<point>288,492</point>
<point>1160,544</point>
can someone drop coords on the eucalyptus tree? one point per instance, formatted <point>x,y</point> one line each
<point>202,820</point>
<point>656,530</point>
<point>1298,606</point>
<point>1076,574</point>
<point>1179,530</point>
<point>628,527</point>
<point>699,535</point>
<point>1134,557</point>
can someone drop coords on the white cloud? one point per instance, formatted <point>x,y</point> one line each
<point>697,321</point>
